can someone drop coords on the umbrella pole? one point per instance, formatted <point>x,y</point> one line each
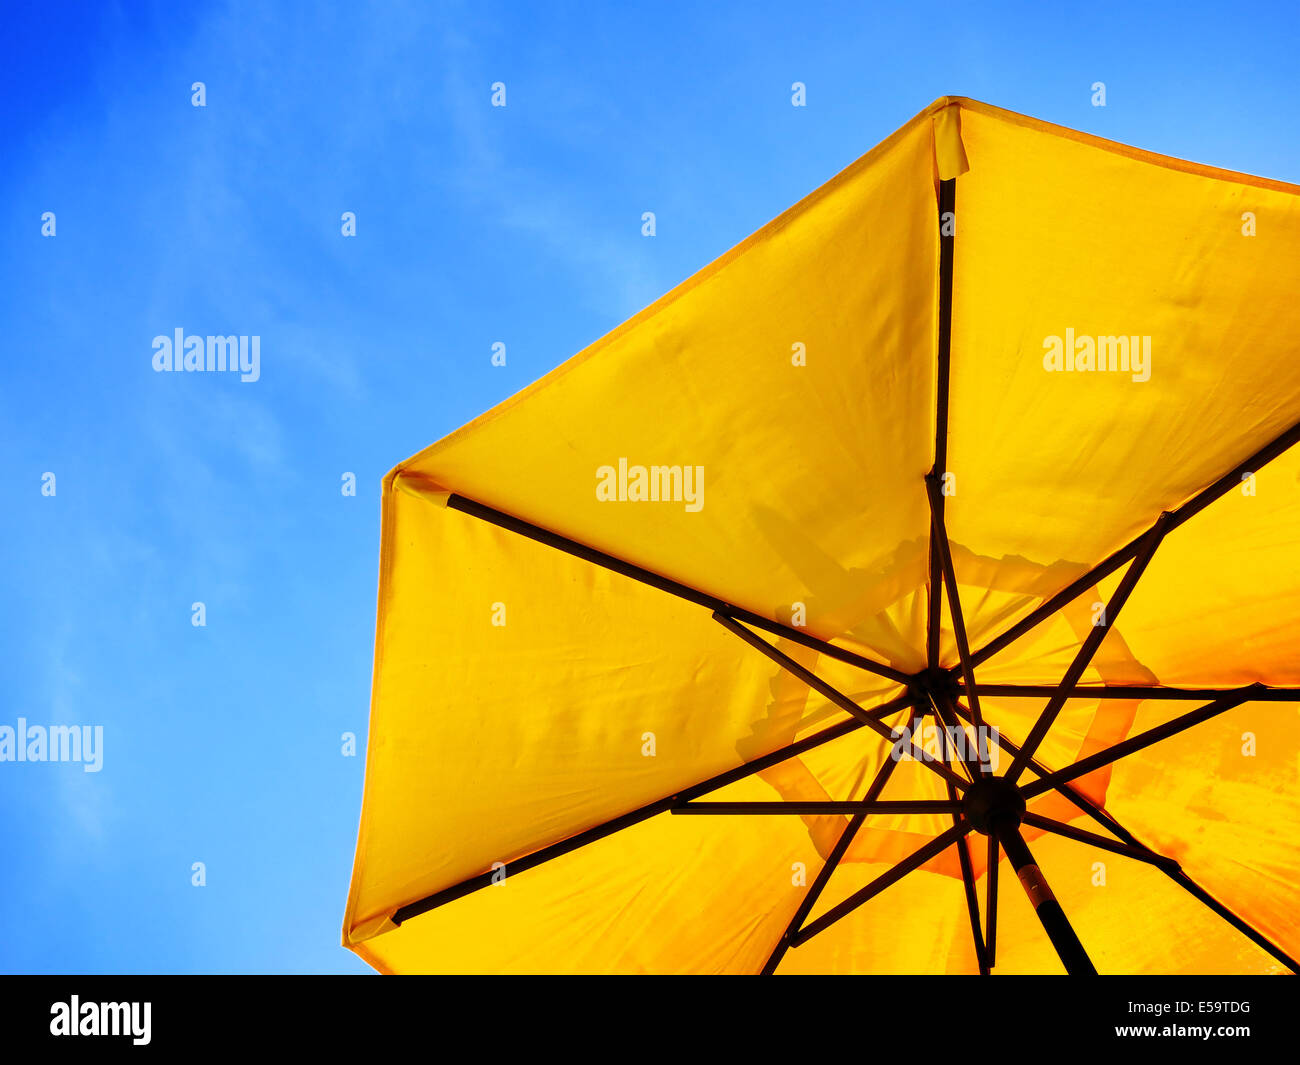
<point>1057,926</point>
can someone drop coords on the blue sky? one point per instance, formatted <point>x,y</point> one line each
<point>474,225</point>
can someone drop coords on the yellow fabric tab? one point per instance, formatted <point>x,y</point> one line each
<point>376,926</point>
<point>949,152</point>
<point>422,488</point>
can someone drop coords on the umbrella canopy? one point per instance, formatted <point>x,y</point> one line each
<point>949,524</point>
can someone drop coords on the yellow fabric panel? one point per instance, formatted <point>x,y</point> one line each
<point>490,741</point>
<point>1220,603</point>
<point>917,926</point>
<point>812,475</point>
<point>681,894</point>
<point>1228,816</point>
<point>1218,606</point>
<point>1057,232</point>
<point>1043,655</point>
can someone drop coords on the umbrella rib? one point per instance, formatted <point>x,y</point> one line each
<point>832,862</point>
<point>977,765</point>
<point>1080,835</point>
<point>991,876</point>
<point>815,807</point>
<point>947,205</point>
<point>1181,878</point>
<point>909,864</point>
<point>1097,691</point>
<point>1137,743</point>
<point>938,538</point>
<point>967,869</point>
<point>1230,480</point>
<point>933,607</point>
<point>814,892</point>
<point>643,813</point>
<point>944,546</point>
<point>972,902</point>
<point>901,740</point>
<point>527,529</point>
<point>1090,644</point>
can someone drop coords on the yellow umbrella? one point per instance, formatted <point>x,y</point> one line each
<point>828,548</point>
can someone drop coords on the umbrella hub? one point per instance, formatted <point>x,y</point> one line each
<point>992,799</point>
<point>935,683</point>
